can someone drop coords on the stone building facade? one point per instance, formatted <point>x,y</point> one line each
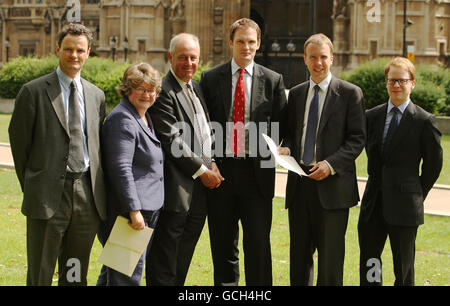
<point>141,29</point>
<point>364,30</point>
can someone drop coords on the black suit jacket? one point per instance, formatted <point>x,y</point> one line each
<point>268,105</point>
<point>340,139</point>
<point>39,139</point>
<point>396,174</point>
<point>173,118</point>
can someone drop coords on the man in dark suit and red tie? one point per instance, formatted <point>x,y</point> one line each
<point>404,161</point>
<point>241,94</point>
<point>326,133</point>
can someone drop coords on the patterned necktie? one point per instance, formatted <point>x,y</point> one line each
<point>237,145</point>
<point>76,155</point>
<point>391,130</point>
<point>311,129</point>
<point>202,129</point>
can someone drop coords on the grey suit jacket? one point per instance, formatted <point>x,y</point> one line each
<point>340,139</point>
<point>173,118</point>
<point>39,139</point>
<point>396,175</point>
<point>268,105</point>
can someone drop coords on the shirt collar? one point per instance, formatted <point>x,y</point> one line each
<point>181,82</point>
<point>65,80</point>
<point>323,85</point>
<point>402,107</point>
<point>235,67</point>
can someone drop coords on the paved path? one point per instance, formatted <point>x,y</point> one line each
<point>437,202</point>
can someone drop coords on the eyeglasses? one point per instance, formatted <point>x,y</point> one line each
<point>141,91</point>
<point>399,81</point>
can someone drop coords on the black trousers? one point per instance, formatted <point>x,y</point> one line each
<point>66,237</point>
<point>312,227</point>
<point>174,241</point>
<point>372,237</point>
<point>239,198</point>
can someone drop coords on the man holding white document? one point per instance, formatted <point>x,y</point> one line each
<point>326,133</point>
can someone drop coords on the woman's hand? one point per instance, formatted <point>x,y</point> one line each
<point>137,220</point>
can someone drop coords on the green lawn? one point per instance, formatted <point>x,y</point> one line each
<point>432,255</point>
<point>4,123</point>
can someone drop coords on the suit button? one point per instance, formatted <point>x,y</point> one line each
<point>66,158</point>
<point>63,176</point>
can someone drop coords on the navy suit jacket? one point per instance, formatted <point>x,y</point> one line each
<point>133,162</point>
<point>408,171</point>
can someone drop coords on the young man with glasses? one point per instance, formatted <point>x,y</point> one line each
<point>400,135</point>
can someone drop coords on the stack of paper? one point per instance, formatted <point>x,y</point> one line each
<point>124,246</point>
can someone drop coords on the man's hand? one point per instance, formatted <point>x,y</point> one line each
<point>320,171</point>
<point>284,151</point>
<point>212,178</point>
<point>137,220</point>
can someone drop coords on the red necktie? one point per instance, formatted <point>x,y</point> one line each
<point>237,146</point>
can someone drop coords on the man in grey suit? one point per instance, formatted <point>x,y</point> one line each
<point>54,135</point>
<point>181,122</point>
<point>326,133</point>
<point>252,98</point>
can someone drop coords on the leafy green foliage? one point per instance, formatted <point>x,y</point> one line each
<point>432,90</point>
<point>103,72</point>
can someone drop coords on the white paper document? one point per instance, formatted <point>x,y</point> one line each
<point>285,161</point>
<point>124,246</point>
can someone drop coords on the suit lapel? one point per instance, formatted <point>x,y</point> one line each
<point>300,114</point>
<point>331,95</point>
<point>55,95</point>
<point>257,90</point>
<point>379,122</point>
<point>89,106</point>
<point>199,94</point>
<point>127,104</point>
<point>225,89</point>
<point>184,102</point>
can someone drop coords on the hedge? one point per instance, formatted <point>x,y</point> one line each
<point>104,73</point>
<point>432,90</point>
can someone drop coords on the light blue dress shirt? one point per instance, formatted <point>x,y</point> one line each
<point>64,82</point>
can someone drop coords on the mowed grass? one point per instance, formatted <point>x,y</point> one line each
<point>4,124</point>
<point>432,247</point>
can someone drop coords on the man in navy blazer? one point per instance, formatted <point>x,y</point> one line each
<point>403,163</point>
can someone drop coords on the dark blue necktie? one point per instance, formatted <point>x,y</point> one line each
<point>311,128</point>
<point>391,130</point>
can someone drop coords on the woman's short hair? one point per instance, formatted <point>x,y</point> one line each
<point>402,63</point>
<point>135,75</point>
